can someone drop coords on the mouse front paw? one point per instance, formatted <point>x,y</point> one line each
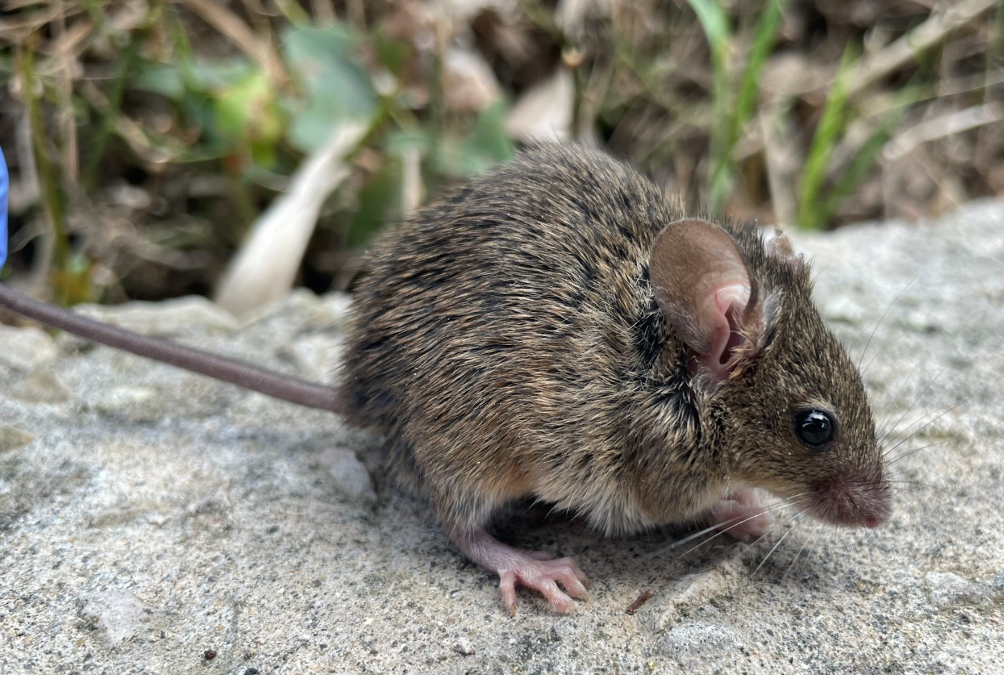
<point>741,516</point>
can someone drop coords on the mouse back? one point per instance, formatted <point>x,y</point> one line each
<point>514,321</point>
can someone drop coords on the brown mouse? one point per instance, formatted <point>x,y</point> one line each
<point>559,330</point>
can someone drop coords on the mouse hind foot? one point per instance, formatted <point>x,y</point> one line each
<point>536,570</point>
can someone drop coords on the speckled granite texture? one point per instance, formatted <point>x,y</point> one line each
<point>153,521</point>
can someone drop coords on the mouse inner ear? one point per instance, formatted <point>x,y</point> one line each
<point>706,292</point>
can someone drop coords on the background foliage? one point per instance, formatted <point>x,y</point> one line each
<point>146,137</point>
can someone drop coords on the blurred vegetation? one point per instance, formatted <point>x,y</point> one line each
<point>145,138</point>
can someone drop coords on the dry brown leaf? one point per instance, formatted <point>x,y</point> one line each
<point>545,111</point>
<point>469,85</point>
<point>264,269</point>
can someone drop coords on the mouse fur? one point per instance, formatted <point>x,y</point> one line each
<point>508,344</point>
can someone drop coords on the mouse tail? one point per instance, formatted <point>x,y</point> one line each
<point>246,375</point>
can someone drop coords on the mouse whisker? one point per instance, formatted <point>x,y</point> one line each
<point>721,531</point>
<point>941,414</point>
<point>798,553</point>
<point>915,402</point>
<point>883,428</point>
<point>689,537</point>
<point>796,499</point>
<point>773,548</point>
<point>787,501</point>
<point>923,484</point>
<point>760,538</point>
<point>907,453</point>
<point>879,323</point>
<point>815,527</point>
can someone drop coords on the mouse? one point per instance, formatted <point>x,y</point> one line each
<point>559,329</point>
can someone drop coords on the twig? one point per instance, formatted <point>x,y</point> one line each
<point>357,13</point>
<point>324,11</point>
<point>47,177</point>
<point>112,111</point>
<point>71,164</point>
<point>228,23</point>
<point>940,127</point>
<point>639,601</point>
<point>128,130</point>
<point>16,27</point>
<point>873,68</point>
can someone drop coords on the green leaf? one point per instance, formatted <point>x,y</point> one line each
<point>311,46</point>
<point>379,202</point>
<point>489,138</point>
<point>715,25</point>
<point>159,78</point>
<point>338,89</point>
<point>400,141</point>
<point>312,127</point>
<point>486,146</point>
<point>247,111</point>
<point>393,54</point>
<point>869,152</point>
<point>213,76</point>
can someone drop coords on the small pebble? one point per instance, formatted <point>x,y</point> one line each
<point>351,477</point>
<point>12,439</point>
<point>26,349</point>
<point>133,403</point>
<point>699,639</point>
<point>119,613</point>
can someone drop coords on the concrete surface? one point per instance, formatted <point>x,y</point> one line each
<point>153,521</point>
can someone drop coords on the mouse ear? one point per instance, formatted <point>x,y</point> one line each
<point>706,292</point>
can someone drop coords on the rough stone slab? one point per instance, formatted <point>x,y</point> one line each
<point>150,519</point>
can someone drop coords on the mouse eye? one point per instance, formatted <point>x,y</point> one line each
<point>815,428</point>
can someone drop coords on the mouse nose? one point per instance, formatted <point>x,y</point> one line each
<point>852,499</point>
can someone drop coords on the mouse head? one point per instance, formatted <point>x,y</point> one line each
<point>790,405</point>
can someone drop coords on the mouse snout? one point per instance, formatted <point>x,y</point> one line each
<point>853,499</point>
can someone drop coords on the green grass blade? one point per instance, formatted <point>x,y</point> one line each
<point>869,152</point>
<point>749,89</point>
<point>123,73</point>
<point>828,133</point>
<point>716,28</point>
<point>749,93</point>
<point>715,25</point>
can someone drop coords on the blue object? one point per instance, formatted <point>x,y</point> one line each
<point>4,184</point>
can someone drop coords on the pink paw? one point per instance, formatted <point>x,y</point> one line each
<point>536,570</point>
<point>741,516</point>
<point>539,572</point>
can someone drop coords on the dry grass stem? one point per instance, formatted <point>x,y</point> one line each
<point>238,32</point>
<point>934,30</point>
<point>943,126</point>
